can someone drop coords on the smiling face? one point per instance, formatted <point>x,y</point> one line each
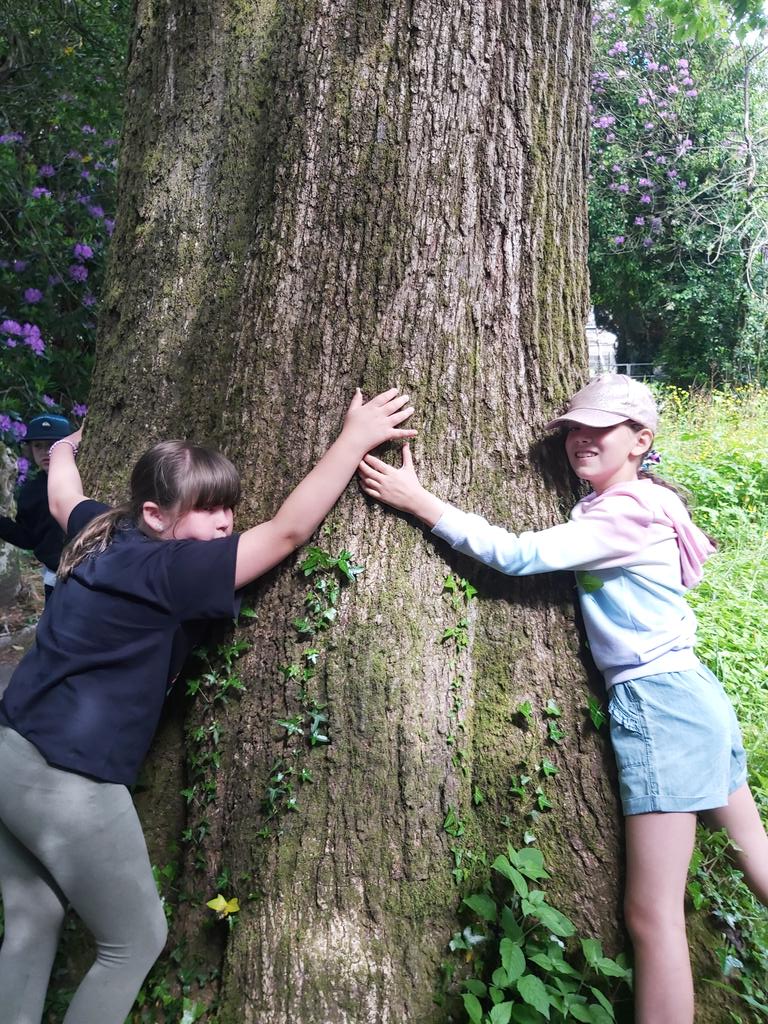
<point>604,456</point>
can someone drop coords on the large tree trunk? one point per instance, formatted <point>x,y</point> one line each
<point>317,195</point>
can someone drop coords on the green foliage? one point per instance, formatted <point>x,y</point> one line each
<point>527,966</point>
<point>713,444</point>
<point>62,68</point>
<point>679,167</point>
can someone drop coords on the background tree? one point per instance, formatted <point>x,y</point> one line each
<point>678,196</point>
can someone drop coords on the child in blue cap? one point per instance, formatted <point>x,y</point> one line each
<point>33,527</point>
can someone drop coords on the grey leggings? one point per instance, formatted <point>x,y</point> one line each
<point>66,839</point>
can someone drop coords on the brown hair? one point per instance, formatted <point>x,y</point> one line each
<point>176,475</point>
<point>644,474</point>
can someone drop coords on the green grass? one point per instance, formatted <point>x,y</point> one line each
<point>715,446</point>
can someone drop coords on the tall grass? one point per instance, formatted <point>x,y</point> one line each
<point>715,446</point>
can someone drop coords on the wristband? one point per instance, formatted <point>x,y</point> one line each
<point>63,440</point>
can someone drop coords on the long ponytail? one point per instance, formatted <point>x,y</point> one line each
<point>92,539</point>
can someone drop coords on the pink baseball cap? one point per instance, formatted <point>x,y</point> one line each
<point>609,399</point>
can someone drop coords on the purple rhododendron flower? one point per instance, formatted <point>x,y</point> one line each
<point>644,182</point>
<point>32,295</point>
<point>655,223</point>
<point>20,266</point>
<point>618,240</point>
<point>648,125</point>
<point>12,137</point>
<point>96,211</point>
<point>682,184</point>
<point>10,327</point>
<point>672,173</point>
<point>88,300</point>
<point>109,225</point>
<point>672,90</point>
<point>10,343</point>
<point>46,171</point>
<point>47,400</point>
<point>81,251</point>
<point>38,192</point>
<point>78,409</point>
<point>18,429</point>
<point>647,242</point>
<point>692,92</point>
<point>661,159</point>
<point>623,188</point>
<point>22,470</point>
<point>639,221</point>
<point>652,66</point>
<point>642,101</point>
<point>645,198</point>
<point>616,168</point>
<point>682,63</point>
<point>610,137</point>
<point>33,339</point>
<point>54,279</point>
<point>73,154</point>
<point>78,272</point>
<point>5,422</point>
<point>109,143</point>
<point>88,130</point>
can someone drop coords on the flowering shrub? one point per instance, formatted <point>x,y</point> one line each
<point>678,228</point>
<point>58,160</point>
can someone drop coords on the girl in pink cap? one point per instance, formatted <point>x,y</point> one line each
<point>635,552</point>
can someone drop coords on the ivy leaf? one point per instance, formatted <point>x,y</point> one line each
<point>502,865</point>
<point>501,1013</point>
<point>512,959</point>
<point>596,712</point>
<point>588,583</point>
<point>473,1007</point>
<point>532,991</point>
<point>592,950</point>
<point>484,906</point>
<point>479,988</point>
<point>530,862</point>
<point>603,1001</point>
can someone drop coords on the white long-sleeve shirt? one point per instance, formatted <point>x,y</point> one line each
<point>635,551</point>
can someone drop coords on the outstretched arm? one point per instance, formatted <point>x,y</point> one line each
<point>400,488</point>
<point>366,425</point>
<point>65,488</point>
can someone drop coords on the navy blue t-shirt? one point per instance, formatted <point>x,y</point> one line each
<point>89,693</point>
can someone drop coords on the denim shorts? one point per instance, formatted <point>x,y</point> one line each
<point>677,742</point>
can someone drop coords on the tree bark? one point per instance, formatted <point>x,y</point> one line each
<point>316,195</point>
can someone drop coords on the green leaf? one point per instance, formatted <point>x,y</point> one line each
<point>532,991</point>
<point>500,980</point>
<point>610,968</point>
<point>579,1012</point>
<point>501,1013</point>
<point>479,988</point>
<point>512,959</point>
<point>603,1001</point>
<point>511,926</point>
<point>502,865</point>
<point>473,1007</point>
<point>529,862</point>
<point>494,992</point>
<point>484,906</point>
<point>592,950</point>
<point>588,582</point>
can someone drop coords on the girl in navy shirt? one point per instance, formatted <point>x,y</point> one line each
<point>81,709</point>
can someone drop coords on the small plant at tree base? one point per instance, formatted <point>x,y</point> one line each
<point>528,966</point>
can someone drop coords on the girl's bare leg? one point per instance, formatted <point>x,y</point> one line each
<point>742,822</point>
<point>659,848</point>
